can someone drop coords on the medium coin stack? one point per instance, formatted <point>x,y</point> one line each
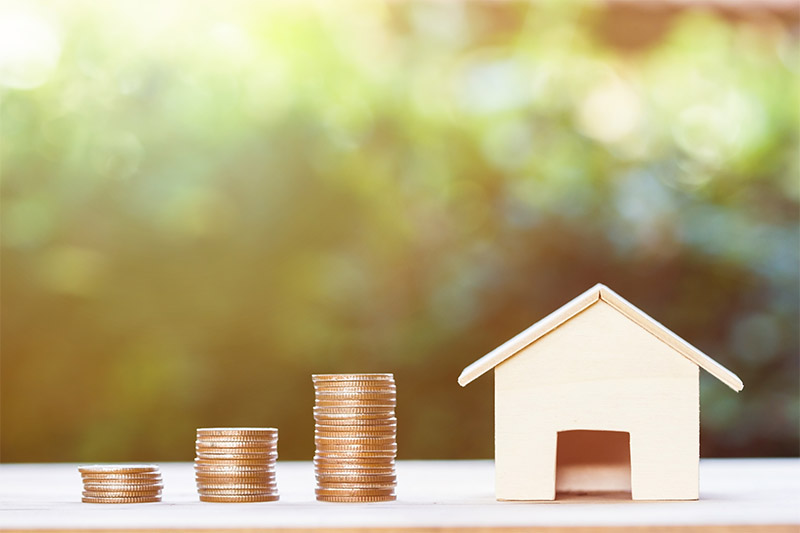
<point>355,436</point>
<point>236,465</point>
<point>121,483</point>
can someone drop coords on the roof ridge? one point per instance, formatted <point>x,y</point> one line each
<point>579,304</point>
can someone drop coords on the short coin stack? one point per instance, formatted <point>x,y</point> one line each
<point>355,437</point>
<point>121,483</point>
<point>236,465</point>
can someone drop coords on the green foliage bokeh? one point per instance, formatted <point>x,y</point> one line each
<point>205,202</point>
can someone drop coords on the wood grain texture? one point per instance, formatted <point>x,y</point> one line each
<point>578,305</point>
<point>735,496</point>
<point>678,344</point>
<point>535,529</point>
<point>533,333</point>
<point>603,372</point>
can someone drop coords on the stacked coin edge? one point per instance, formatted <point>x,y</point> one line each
<point>121,484</point>
<point>236,465</point>
<point>355,437</point>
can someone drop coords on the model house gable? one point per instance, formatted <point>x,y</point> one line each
<point>599,293</point>
<point>598,346</point>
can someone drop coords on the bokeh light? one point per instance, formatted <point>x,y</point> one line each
<point>205,202</point>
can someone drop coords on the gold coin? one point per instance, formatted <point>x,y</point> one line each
<point>322,457</point>
<point>143,499</point>
<point>373,468</point>
<point>367,376</point>
<point>325,435</point>
<point>349,405</point>
<point>234,481</point>
<point>350,474</point>
<point>353,408</point>
<point>201,484</point>
<point>240,466</point>
<point>240,458</point>
<point>351,394</point>
<point>348,453</point>
<point>378,464</point>
<point>331,415</point>
<point>355,477</point>
<point>356,499</point>
<point>240,473</point>
<point>119,494</point>
<point>333,476</point>
<point>363,399</point>
<point>267,489</point>
<point>117,487</point>
<point>352,464</point>
<point>264,437</point>
<point>353,491</point>
<point>379,427</point>
<point>239,499</point>
<point>261,478</point>
<point>356,389</point>
<point>265,432</point>
<point>369,441</point>
<point>360,383</point>
<point>217,471</point>
<point>132,479</point>
<point>264,471</point>
<point>234,474</point>
<point>245,460</point>
<point>356,472</point>
<point>357,451</point>
<point>255,457</point>
<point>236,449</point>
<point>343,452</point>
<point>356,440</point>
<point>360,422</point>
<point>117,469</point>
<point>244,477</point>
<point>360,486</point>
<point>354,393</point>
<point>236,486</point>
<point>320,437</point>
<point>328,480</point>
<point>236,445</point>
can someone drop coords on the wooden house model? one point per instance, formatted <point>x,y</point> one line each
<point>597,397</point>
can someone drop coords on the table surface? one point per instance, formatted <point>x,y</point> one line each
<point>746,494</point>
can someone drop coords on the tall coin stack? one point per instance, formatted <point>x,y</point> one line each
<point>355,437</point>
<point>236,465</point>
<point>121,483</point>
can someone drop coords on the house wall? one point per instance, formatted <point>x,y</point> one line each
<point>598,371</point>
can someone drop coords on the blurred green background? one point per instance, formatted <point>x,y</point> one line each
<point>205,202</point>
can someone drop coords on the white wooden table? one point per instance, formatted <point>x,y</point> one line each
<point>736,495</point>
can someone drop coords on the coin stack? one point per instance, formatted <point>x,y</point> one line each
<point>236,465</point>
<point>355,437</point>
<point>121,483</point>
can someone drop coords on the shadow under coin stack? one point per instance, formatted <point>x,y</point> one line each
<point>356,437</point>
<point>121,484</point>
<point>236,465</point>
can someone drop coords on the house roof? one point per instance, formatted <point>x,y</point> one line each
<point>579,304</point>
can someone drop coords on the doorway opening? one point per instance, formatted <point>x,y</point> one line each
<point>595,463</point>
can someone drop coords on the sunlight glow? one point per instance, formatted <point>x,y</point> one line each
<point>29,50</point>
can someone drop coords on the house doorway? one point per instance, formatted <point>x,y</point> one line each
<point>596,463</point>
